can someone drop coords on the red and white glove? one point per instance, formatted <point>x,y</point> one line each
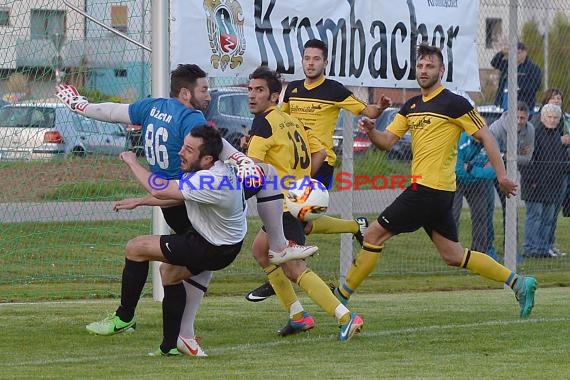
<point>247,171</point>
<point>71,98</point>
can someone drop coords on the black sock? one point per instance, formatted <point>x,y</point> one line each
<point>172,310</point>
<point>132,284</point>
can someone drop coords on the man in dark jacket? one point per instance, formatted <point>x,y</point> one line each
<point>541,180</point>
<point>529,77</point>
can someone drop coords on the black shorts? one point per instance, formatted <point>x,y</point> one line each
<point>293,228</point>
<point>177,218</point>
<point>250,191</point>
<point>424,207</point>
<point>192,251</point>
<point>324,174</point>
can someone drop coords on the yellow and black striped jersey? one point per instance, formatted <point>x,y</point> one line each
<point>435,123</point>
<point>317,106</point>
<point>281,140</point>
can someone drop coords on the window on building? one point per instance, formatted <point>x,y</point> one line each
<point>493,32</point>
<point>119,18</point>
<point>46,23</point>
<point>121,73</point>
<point>4,16</point>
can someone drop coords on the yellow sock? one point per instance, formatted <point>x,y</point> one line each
<point>282,286</point>
<point>329,225</point>
<point>364,265</point>
<point>318,290</point>
<point>485,266</point>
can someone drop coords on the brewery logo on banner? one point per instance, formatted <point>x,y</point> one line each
<point>225,31</point>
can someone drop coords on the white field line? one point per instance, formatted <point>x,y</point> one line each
<point>410,330</point>
<point>70,302</point>
<point>314,337</point>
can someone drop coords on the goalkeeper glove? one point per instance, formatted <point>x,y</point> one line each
<point>71,98</point>
<point>247,171</point>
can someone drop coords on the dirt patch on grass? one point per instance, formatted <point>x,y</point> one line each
<point>29,181</point>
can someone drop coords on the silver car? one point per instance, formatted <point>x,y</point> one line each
<point>30,131</point>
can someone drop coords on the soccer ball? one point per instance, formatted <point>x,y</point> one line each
<point>308,199</point>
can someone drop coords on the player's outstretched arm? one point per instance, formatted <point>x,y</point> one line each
<point>374,110</point>
<point>154,183</point>
<point>111,112</point>
<point>317,160</point>
<point>383,140</point>
<point>132,203</point>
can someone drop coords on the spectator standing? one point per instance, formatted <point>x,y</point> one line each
<point>541,180</point>
<point>556,96</point>
<point>475,177</point>
<point>528,74</point>
<point>525,141</point>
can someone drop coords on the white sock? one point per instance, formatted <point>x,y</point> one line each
<point>295,308</point>
<point>340,311</point>
<point>195,287</point>
<point>270,209</point>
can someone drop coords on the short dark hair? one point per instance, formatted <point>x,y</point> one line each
<point>273,78</point>
<point>521,46</point>
<point>317,44</point>
<point>185,76</point>
<point>427,50</point>
<point>522,106</point>
<point>212,144</point>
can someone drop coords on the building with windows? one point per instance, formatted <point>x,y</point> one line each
<point>47,41</point>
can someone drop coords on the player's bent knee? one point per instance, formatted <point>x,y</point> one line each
<point>375,234</point>
<point>293,269</point>
<point>132,249</point>
<point>259,251</point>
<point>173,274</point>
<point>143,248</point>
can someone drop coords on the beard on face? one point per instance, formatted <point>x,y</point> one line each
<point>429,82</point>
<point>189,167</point>
<point>316,74</point>
<point>194,166</point>
<point>197,105</point>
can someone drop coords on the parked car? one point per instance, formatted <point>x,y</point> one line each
<point>228,112</point>
<point>51,130</point>
<point>402,150</point>
<point>490,113</point>
<point>135,139</point>
<point>360,141</point>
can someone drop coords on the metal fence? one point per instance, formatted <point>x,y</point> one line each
<point>48,205</point>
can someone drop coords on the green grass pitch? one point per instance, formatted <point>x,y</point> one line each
<point>470,334</point>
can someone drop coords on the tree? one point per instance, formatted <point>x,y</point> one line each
<point>559,55</point>
<point>534,42</point>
